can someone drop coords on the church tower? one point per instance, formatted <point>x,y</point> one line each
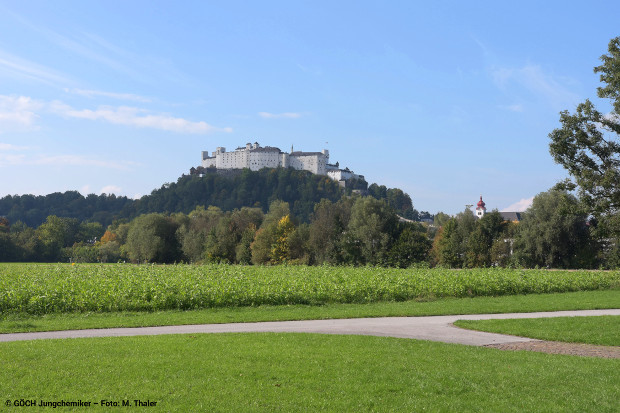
<point>480,208</point>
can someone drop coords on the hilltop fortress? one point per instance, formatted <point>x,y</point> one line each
<point>255,157</point>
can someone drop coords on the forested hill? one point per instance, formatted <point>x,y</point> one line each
<point>33,210</point>
<point>301,189</point>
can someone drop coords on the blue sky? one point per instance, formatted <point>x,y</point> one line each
<point>446,100</point>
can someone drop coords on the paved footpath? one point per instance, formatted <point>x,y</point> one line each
<point>434,328</point>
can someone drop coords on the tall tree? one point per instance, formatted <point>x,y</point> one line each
<point>587,145</point>
<point>411,246</point>
<point>329,222</point>
<point>370,233</point>
<point>553,233</point>
<point>152,238</point>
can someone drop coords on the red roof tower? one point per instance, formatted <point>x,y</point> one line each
<point>480,208</point>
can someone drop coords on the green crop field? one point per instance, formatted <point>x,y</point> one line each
<point>63,288</point>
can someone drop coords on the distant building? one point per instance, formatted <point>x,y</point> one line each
<point>481,210</point>
<point>255,157</point>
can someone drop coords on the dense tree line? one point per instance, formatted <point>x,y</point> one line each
<point>354,230</point>
<point>33,210</point>
<point>553,233</point>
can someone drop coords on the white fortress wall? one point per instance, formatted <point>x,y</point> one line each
<point>255,157</point>
<point>315,162</point>
<point>264,158</point>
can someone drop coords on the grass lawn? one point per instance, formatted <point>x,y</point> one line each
<point>602,330</point>
<point>304,372</point>
<point>477,305</point>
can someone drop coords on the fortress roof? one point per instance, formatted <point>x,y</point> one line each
<point>266,149</point>
<point>300,153</point>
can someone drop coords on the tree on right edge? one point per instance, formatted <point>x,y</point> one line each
<point>587,145</point>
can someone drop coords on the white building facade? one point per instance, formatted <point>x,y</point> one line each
<point>255,157</point>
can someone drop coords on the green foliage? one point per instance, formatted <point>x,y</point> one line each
<point>41,289</point>
<point>300,189</point>
<point>396,199</point>
<point>467,242</point>
<point>370,232</point>
<point>34,210</point>
<point>553,233</point>
<point>587,146</point>
<point>151,238</point>
<point>412,246</point>
<point>328,224</point>
<point>267,237</point>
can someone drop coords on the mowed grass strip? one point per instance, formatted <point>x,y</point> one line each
<point>304,372</point>
<point>601,330</point>
<point>62,288</point>
<point>581,300</point>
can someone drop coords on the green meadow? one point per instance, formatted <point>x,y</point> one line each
<point>295,372</point>
<point>304,372</point>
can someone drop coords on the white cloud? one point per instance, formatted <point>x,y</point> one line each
<point>18,112</point>
<point>22,111</point>
<point>119,96</point>
<point>111,189</point>
<point>519,206</point>
<point>6,160</point>
<point>131,116</point>
<point>286,115</point>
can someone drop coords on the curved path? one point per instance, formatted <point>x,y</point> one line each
<point>434,328</point>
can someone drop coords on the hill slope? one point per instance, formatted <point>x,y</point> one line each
<point>301,189</point>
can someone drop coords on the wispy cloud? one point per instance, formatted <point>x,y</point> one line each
<point>534,80</point>
<point>312,70</point>
<point>286,115</point>
<point>81,45</point>
<point>17,67</point>
<point>517,107</point>
<point>77,160</point>
<point>6,147</point>
<point>519,206</point>
<point>17,155</point>
<point>113,95</point>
